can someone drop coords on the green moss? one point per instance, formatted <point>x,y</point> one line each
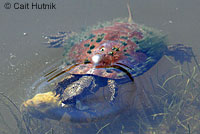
<point>125,49</point>
<point>123,43</point>
<point>100,38</point>
<point>92,47</point>
<point>153,43</point>
<point>89,51</point>
<point>86,61</point>
<point>86,45</point>
<point>124,37</point>
<point>117,49</point>
<point>91,36</point>
<point>85,34</point>
<point>135,39</point>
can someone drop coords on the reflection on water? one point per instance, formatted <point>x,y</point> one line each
<point>164,100</point>
<point>83,98</point>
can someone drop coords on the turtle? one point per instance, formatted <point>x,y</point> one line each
<point>110,54</point>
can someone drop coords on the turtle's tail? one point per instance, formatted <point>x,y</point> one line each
<point>130,18</point>
<point>181,53</point>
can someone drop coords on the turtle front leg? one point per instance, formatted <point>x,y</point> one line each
<point>77,90</point>
<point>56,41</point>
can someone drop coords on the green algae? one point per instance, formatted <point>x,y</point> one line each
<point>92,47</point>
<point>86,45</point>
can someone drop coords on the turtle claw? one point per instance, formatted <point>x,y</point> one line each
<point>56,41</point>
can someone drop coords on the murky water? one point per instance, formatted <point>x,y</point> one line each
<point>23,56</point>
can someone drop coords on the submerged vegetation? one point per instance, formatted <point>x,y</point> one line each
<point>180,100</point>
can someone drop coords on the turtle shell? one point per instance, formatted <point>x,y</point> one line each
<point>116,50</point>
<point>107,52</point>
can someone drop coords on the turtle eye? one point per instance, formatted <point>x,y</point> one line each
<point>102,49</point>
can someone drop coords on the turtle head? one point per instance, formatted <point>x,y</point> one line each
<point>43,105</point>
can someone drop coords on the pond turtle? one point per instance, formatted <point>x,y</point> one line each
<point>108,55</point>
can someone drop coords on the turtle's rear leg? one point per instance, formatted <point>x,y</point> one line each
<point>180,53</point>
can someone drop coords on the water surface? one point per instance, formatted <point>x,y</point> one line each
<point>23,56</point>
